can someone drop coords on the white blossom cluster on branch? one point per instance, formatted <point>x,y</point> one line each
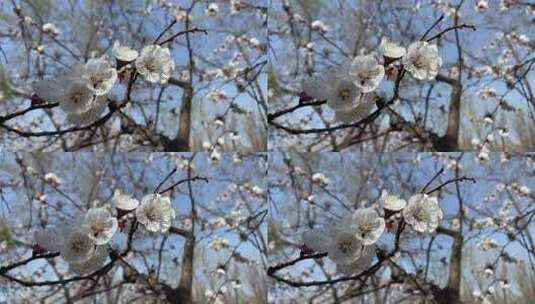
<point>350,241</point>
<point>349,90</point>
<point>81,91</point>
<point>83,242</point>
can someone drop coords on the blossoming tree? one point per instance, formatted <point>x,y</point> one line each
<point>173,228</point>
<point>132,75</point>
<point>401,228</point>
<point>423,75</point>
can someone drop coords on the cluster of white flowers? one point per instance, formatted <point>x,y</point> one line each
<point>341,245</point>
<point>155,211</point>
<point>349,242</point>
<point>81,92</point>
<point>82,242</point>
<point>423,213</point>
<point>341,93</point>
<point>348,90</point>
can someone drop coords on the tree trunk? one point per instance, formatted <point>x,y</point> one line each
<point>183,136</point>
<point>182,141</point>
<point>452,292</point>
<point>450,141</point>
<point>183,294</point>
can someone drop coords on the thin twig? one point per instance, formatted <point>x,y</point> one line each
<point>164,31</point>
<point>460,179</point>
<point>432,27</point>
<point>165,179</point>
<point>432,180</point>
<point>182,33</point>
<point>460,26</point>
<point>183,181</point>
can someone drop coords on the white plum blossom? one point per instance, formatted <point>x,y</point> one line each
<point>423,213</point>
<point>488,120</point>
<point>341,245</point>
<point>391,50</point>
<point>235,6</point>
<point>50,28</point>
<point>73,240</point>
<point>101,225</point>
<point>360,264</point>
<point>52,178</point>
<point>525,190</point>
<point>155,64</point>
<point>320,178</point>
<point>367,224</point>
<point>78,246</point>
<point>219,244</point>
<point>124,202</point>
<point>341,93</point>
<point>89,116</point>
<point>155,212</point>
<point>215,156</point>
<point>257,191</point>
<point>487,92</point>
<point>51,239</point>
<point>504,132</point>
<point>92,264</point>
<point>212,9</point>
<point>72,93</point>
<point>78,98</point>
<point>76,91</point>
<point>504,284</point>
<point>487,244</point>
<point>367,72</point>
<point>422,60</point>
<point>392,202</point>
<point>483,155</point>
<point>124,53</point>
<point>236,284</point>
<point>362,108</point>
<point>217,95</point>
<point>482,5</point>
<point>489,270</point>
<point>319,26</point>
<point>100,75</point>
